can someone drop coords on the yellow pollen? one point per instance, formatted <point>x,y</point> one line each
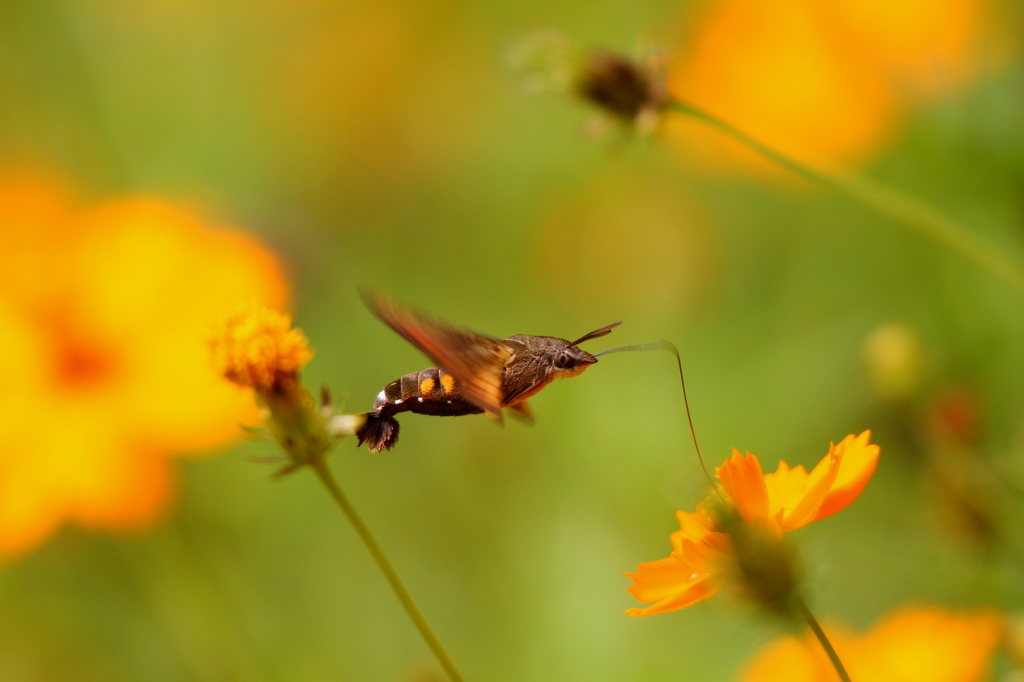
<point>448,383</point>
<point>426,386</point>
<point>256,347</point>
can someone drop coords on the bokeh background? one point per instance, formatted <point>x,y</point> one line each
<point>396,145</point>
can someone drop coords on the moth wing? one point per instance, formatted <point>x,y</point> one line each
<point>476,361</point>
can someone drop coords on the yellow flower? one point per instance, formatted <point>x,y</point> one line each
<point>930,644</point>
<point>826,82</point>
<point>256,347</point>
<point>103,318</point>
<point>705,549</point>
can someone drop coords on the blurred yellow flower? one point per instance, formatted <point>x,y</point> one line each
<point>104,314</point>
<point>930,644</point>
<point>826,82</point>
<point>703,551</point>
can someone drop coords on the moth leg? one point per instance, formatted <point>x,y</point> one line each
<point>522,411</point>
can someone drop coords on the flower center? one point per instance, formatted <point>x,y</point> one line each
<point>79,359</point>
<point>81,365</point>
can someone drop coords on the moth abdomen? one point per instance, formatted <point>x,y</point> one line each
<point>438,393</point>
<point>379,431</point>
<point>432,391</point>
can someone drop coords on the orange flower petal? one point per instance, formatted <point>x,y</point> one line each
<point>914,644</point>
<point>817,486</point>
<point>772,69</point>
<point>692,593</point>
<point>691,573</point>
<point>929,643</point>
<point>788,659</point>
<point>691,527</point>
<point>858,459</point>
<point>654,581</point>
<point>743,480</point>
<point>785,488</point>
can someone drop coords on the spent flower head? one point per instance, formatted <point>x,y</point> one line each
<point>737,531</point>
<point>626,90</point>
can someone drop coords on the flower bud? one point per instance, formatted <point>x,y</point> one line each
<point>894,361</point>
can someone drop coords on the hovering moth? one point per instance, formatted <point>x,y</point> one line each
<point>474,373</point>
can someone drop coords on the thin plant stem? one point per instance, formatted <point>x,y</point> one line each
<point>377,552</point>
<point>820,634</point>
<point>888,201</point>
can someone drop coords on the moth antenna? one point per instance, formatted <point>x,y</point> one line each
<point>669,346</point>
<point>596,333</point>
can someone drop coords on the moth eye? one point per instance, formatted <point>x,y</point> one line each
<point>563,360</point>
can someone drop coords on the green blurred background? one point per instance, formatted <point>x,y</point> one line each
<point>389,145</point>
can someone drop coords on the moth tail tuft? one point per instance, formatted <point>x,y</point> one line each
<point>379,433</point>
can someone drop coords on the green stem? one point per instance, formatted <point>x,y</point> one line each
<point>820,634</point>
<point>890,202</point>
<point>377,552</point>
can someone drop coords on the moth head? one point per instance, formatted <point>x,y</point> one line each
<point>569,360</point>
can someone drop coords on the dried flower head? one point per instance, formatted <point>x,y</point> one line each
<point>626,90</point>
<point>739,532</point>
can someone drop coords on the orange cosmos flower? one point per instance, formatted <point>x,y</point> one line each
<point>704,550</point>
<point>925,643</point>
<point>826,82</point>
<point>104,313</point>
